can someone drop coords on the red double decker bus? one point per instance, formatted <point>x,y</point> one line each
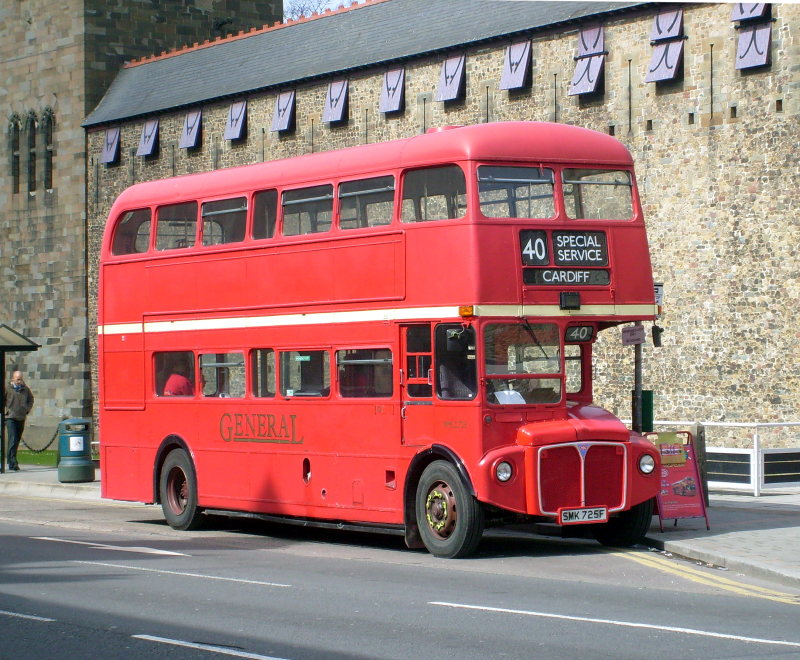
<point>395,335</point>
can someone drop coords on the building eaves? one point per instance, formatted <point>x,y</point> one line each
<point>332,44</point>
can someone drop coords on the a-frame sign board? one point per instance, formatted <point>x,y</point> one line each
<point>681,491</point>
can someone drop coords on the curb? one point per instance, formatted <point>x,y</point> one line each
<point>745,567</point>
<point>87,491</point>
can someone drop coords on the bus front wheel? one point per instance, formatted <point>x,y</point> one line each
<point>178,490</point>
<point>449,518</point>
<point>628,528</point>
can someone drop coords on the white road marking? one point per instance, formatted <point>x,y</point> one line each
<point>184,574</point>
<point>627,624</point>
<point>17,615</point>
<point>205,647</point>
<point>118,548</point>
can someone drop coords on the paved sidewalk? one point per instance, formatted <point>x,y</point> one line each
<point>757,536</point>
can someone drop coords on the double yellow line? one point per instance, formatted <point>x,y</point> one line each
<point>701,577</point>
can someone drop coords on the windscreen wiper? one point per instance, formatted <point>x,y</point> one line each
<point>528,327</point>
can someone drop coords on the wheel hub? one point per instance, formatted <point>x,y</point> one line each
<point>178,491</point>
<point>440,510</point>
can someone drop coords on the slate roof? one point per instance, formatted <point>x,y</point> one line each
<point>362,36</point>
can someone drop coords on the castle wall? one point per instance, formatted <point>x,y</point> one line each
<point>56,59</point>
<point>716,166</point>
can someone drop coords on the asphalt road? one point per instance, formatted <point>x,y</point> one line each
<point>112,580</point>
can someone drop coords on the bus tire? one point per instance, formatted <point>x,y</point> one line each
<point>449,518</point>
<point>626,529</point>
<point>178,492</point>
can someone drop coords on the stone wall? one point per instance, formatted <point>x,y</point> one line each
<point>42,255</point>
<point>716,167</point>
<point>56,59</point>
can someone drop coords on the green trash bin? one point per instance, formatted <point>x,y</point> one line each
<point>75,451</point>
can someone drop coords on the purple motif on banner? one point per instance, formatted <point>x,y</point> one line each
<point>335,102</point>
<point>745,11</point>
<point>754,45</point>
<point>393,91</point>
<point>149,139</point>
<point>451,80</point>
<point>667,33</point>
<point>283,117</point>
<point>190,136</point>
<point>590,60</point>
<point>110,146</point>
<point>516,66</point>
<point>237,121</point>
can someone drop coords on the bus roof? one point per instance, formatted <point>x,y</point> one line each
<point>502,141</point>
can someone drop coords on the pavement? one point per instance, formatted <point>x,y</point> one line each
<point>754,536</point>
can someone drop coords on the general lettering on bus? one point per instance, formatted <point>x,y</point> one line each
<point>256,427</point>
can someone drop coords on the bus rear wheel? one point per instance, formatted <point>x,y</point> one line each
<point>178,491</point>
<point>628,528</point>
<point>449,518</point>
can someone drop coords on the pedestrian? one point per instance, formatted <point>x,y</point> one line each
<point>19,401</point>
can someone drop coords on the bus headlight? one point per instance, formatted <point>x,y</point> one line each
<point>647,463</point>
<point>503,471</point>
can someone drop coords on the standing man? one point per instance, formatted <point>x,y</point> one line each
<point>19,401</point>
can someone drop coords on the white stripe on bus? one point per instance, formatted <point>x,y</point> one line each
<point>361,316</point>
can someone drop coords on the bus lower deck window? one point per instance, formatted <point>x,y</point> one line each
<point>456,366</point>
<point>305,373</point>
<point>222,375</point>
<point>364,372</point>
<point>262,372</point>
<point>174,373</point>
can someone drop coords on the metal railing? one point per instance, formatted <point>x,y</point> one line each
<point>756,452</point>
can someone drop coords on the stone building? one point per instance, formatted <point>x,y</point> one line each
<point>705,96</point>
<point>56,62</point>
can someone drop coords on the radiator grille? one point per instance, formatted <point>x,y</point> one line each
<point>582,474</point>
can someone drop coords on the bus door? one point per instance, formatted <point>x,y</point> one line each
<point>416,390</point>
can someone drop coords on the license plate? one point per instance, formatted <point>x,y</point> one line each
<point>591,514</point>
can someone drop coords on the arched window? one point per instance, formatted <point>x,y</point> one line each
<point>30,130</point>
<point>13,147</point>
<point>49,151</point>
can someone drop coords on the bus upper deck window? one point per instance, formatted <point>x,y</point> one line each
<point>177,226</point>
<point>366,202</point>
<point>598,194</point>
<point>132,234</point>
<point>307,210</point>
<point>265,212</point>
<point>224,221</point>
<point>516,192</point>
<point>434,193</point>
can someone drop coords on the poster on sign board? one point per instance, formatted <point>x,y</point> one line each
<point>681,492</point>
